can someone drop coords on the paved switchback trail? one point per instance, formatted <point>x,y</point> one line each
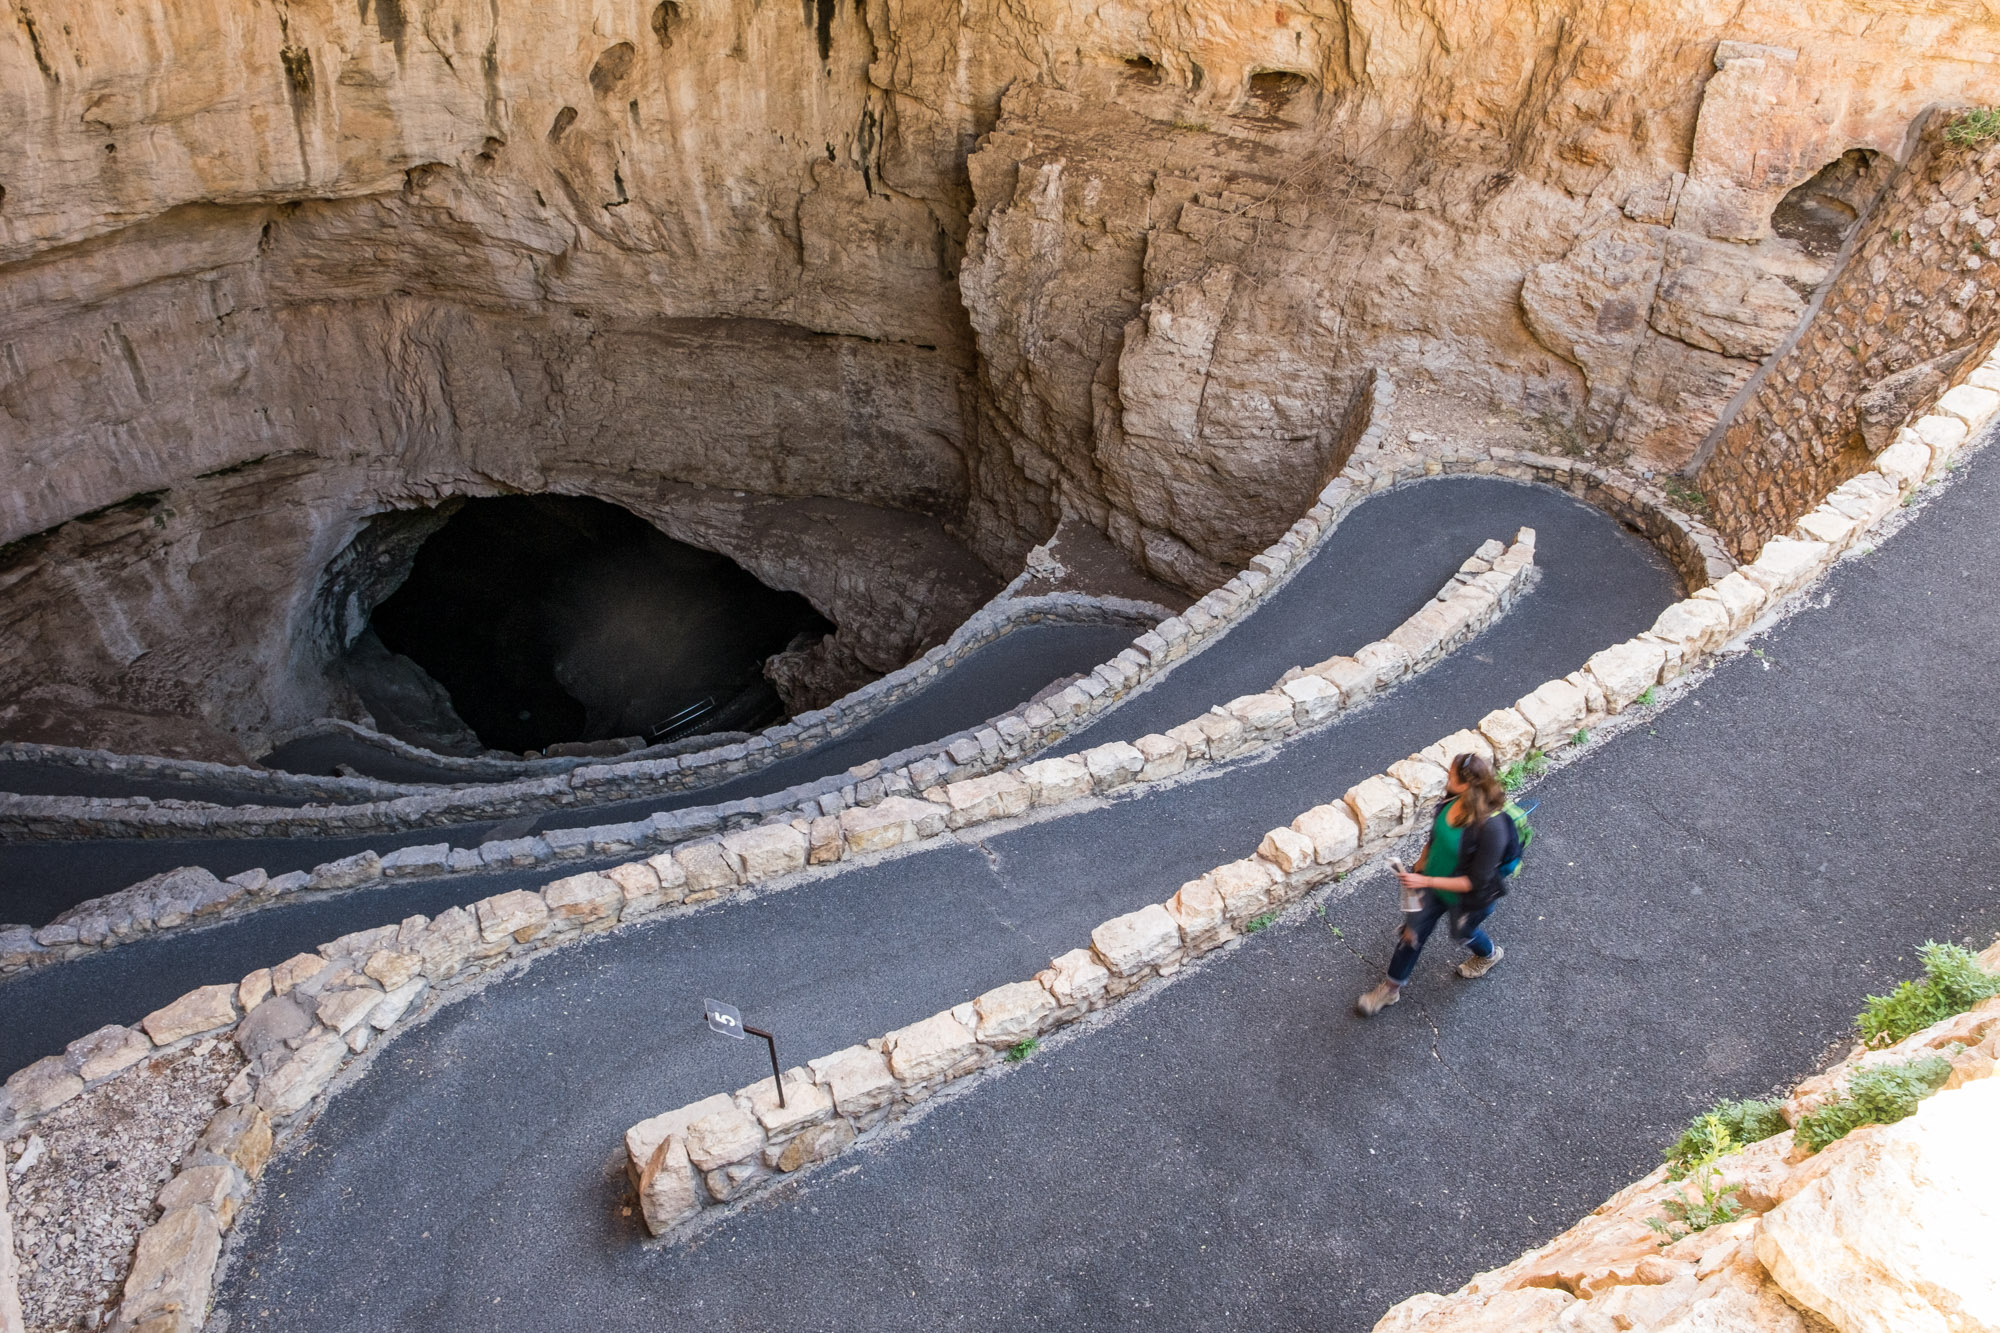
<point>473,1170</point>
<point>1381,564</point>
<point>1711,894</point>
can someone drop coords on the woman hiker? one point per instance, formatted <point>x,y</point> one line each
<point>1459,873</point>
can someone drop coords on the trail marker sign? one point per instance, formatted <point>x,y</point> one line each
<point>724,1018</point>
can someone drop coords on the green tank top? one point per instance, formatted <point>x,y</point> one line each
<point>1442,858</point>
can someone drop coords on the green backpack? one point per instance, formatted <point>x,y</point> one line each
<point>1524,835</point>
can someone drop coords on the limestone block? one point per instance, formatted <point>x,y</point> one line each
<point>1451,747</point>
<point>858,1078</point>
<point>1354,681</point>
<point>1424,778</point>
<point>1190,737</point>
<point>297,968</point>
<point>1627,670</point>
<point>1223,734</point>
<point>1289,850</point>
<point>218,1187</point>
<point>806,1103</point>
<point>673,879</point>
<point>240,1136</point>
<point>105,1052</point>
<point>1076,980</point>
<point>1530,1310</point>
<point>1382,807</point>
<point>254,989</point>
<point>938,1047</point>
<point>1897,1233</point>
<point>891,823</point>
<point>1741,598</point>
<point>724,1137</point>
<point>345,1008</point>
<point>1867,499</point>
<point>173,1267</point>
<point>669,1191</point>
<point>1114,765</point>
<point>517,914</point>
<point>287,1089</point>
<point>1386,663</point>
<point>1198,910</point>
<point>1786,565</point>
<point>1826,524</point>
<point>1905,463</point>
<point>820,1143</point>
<point>1264,716</point>
<point>1136,942</point>
<point>1970,404</point>
<point>736,1180</point>
<point>1697,625</point>
<point>977,800</point>
<point>396,1003</point>
<point>1313,700</point>
<point>1247,887</point>
<point>1555,710</point>
<point>348,872</point>
<point>360,943</point>
<point>1510,734</point>
<point>765,852</point>
<point>446,942</point>
<point>1053,781</point>
<point>1164,757</point>
<point>1424,635</point>
<point>1334,835</point>
<point>1593,696</point>
<point>708,871</point>
<point>203,1009</point>
<point>825,841</point>
<point>38,1089</point>
<point>644,1138</point>
<point>1007,1014</point>
<point>1943,435</point>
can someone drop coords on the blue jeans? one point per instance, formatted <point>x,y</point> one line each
<point>1418,925</point>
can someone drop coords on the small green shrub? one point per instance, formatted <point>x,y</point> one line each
<point>1582,736</point>
<point>1731,1125</point>
<point>1022,1049</point>
<point>1257,923</point>
<point>1974,127</point>
<point>1685,494</point>
<point>1715,1206</point>
<point>1531,765</point>
<point>1647,695</point>
<point>1880,1095</point>
<point>1952,983</point>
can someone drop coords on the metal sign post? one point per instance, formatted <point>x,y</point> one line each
<point>728,1020</point>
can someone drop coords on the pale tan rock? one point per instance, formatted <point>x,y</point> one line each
<point>1699,626</point>
<point>858,1078</point>
<point>288,1088</point>
<point>1137,942</point>
<point>1460,742</point>
<point>1334,834</point>
<point>938,1047</point>
<point>1387,663</point>
<point>254,989</point>
<point>1627,670</point>
<point>1510,734</point>
<point>1164,756</point>
<point>518,914</point>
<point>827,843</point>
<point>1223,735</point>
<point>1077,980</point>
<point>396,1003</point>
<point>203,1009</point>
<point>1382,807</point>
<point>1905,463</point>
<point>705,870</point>
<point>819,1143</point>
<point>343,1010</point>
<point>1424,779</point>
<point>11,1320</point>
<point>723,1138</point>
<point>1288,850</point>
<point>1113,766</point>
<point>890,823</point>
<point>977,800</point>
<point>391,969</point>
<point>1942,434</point>
<point>587,902</point>
<point>1785,565</point>
<point>1248,888</point>
<point>1972,405</point>
<point>107,1051</point>
<point>1897,1236</point>
<point>1828,525</point>
<point>1354,681</point>
<point>1053,781</point>
<point>173,1267</point>
<point>1526,1311</point>
<point>1191,737</point>
<point>765,852</point>
<point>447,941</point>
<point>1008,1014</point>
<point>39,1088</point>
<point>644,1138</point>
<point>1314,700</point>
<point>219,1188</point>
<point>669,1190</point>
<point>1264,716</point>
<point>1555,709</point>
<point>806,1103</point>
<point>638,888</point>
<point>1198,910</point>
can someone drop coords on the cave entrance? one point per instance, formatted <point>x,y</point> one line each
<point>553,619</point>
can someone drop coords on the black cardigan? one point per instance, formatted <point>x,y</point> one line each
<point>1480,854</point>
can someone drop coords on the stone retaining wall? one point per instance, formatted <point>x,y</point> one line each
<point>191,895</point>
<point>1851,1234</point>
<point>1916,305</point>
<point>716,1151</point>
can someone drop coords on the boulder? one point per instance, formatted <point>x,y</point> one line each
<point>201,1010</point>
<point>765,852</point>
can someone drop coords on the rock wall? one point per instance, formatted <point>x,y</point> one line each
<point>987,264</point>
<point>1914,309</point>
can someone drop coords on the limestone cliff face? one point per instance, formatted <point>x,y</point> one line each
<point>276,268</point>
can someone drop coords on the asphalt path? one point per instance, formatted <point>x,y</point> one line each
<point>474,1172</point>
<point>39,880</point>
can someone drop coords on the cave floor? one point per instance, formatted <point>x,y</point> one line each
<point>474,1173</point>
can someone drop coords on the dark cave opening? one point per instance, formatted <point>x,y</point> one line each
<point>552,619</point>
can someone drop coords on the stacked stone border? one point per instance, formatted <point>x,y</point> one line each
<point>723,1148</point>
<point>1756,1271</point>
<point>299,1022</point>
<point>192,895</point>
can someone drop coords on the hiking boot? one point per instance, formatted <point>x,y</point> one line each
<point>1375,1001</point>
<point>1476,966</point>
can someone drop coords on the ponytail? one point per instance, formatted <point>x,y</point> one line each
<point>1483,797</point>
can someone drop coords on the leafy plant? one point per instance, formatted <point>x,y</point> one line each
<point>1714,1206</point>
<point>1878,1095</point>
<point>1531,765</point>
<point>1684,493</point>
<point>1717,1133</point>
<point>1582,736</point>
<point>1257,923</point>
<point>1647,695</point>
<point>1974,127</point>
<point>1022,1049</point>
<point>1952,983</point>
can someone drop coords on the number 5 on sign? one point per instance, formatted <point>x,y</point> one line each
<point>723,1018</point>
